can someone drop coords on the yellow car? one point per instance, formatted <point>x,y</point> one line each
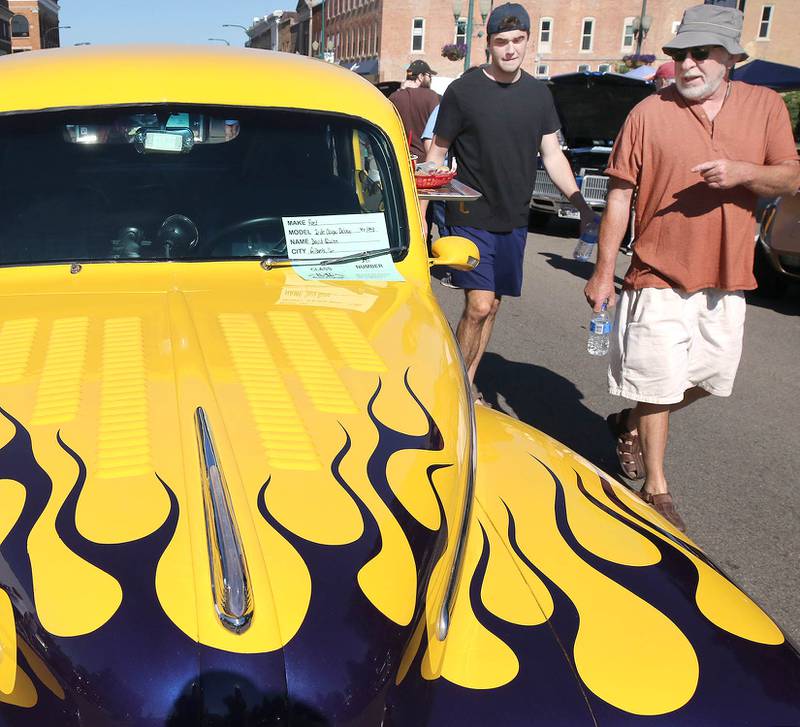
<point>241,476</point>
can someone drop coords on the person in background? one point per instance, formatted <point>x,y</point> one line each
<point>435,212</point>
<point>494,121</point>
<point>701,153</point>
<point>665,75</point>
<point>415,102</point>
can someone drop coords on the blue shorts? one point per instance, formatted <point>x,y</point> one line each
<point>500,268</point>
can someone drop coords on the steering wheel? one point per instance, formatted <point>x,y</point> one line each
<point>253,225</point>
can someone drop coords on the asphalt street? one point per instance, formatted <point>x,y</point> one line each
<point>732,463</point>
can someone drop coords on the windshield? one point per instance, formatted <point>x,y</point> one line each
<point>187,183</point>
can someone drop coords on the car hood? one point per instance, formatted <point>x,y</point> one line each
<point>593,107</point>
<point>165,430</point>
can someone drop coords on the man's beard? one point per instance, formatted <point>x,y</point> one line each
<point>697,93</point>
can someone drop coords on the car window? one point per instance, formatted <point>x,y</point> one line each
<point>184,183</point>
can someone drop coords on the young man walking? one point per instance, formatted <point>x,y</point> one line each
<point>701,152</point>
<point>494,121</point>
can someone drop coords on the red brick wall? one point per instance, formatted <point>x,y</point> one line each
<point>40,20</point>
<point>354,27</point>
<point>564,55</point>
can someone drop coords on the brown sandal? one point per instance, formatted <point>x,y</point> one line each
<point>664,506</point>
<point>629,448</point>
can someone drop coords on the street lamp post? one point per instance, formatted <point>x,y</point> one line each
<point>246,31</point>
<point>322,32</point>
<point>641,26</point>
<point>220,40</point>
<point>485,7</point>
<point>50,30</point>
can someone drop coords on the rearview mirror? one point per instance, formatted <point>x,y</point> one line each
<point>455,252</point>
<point>163,141</point>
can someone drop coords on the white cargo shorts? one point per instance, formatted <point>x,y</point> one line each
<point>666,341</point>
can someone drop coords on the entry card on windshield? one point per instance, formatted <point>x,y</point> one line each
<point>331,237</point>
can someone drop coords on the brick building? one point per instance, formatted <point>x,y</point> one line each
<point>265,32</point>
<point>5,28</point>
<point>379,38</point>
<point>34,25</point>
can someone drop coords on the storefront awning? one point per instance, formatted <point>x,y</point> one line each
<point>368,67</point>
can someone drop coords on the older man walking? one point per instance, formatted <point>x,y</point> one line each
<point>701,152</point>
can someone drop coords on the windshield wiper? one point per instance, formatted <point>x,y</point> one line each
<point>356,256</point>
<point>269,263</point>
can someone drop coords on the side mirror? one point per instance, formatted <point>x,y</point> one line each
<point>455,252</point>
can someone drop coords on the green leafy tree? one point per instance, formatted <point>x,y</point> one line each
<point>792,101</point>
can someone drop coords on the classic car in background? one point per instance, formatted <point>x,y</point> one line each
<point>592,108</point>
<point>242,481</point>
<point>777,260</point>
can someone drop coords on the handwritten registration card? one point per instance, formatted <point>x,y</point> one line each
<point>327,237</point>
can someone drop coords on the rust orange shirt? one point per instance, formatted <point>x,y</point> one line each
<point>688,235</point>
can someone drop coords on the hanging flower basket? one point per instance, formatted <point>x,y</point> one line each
<point>642,59</point>
<point>454,51</point>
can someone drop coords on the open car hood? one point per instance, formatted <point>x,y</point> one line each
<point>593,106</point>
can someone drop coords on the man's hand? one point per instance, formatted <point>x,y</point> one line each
<point>724,173</point>
<point>599,289</point>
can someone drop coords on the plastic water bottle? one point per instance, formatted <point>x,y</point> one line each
<point>599,333</point>
<point>588,241</point>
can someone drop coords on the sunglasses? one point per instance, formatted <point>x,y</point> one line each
<point>700,53</point>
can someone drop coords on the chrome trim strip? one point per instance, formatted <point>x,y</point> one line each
<point>230,580</point>
<point>443,625</point>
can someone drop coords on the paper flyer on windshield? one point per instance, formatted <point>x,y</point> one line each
<point>325,237</point>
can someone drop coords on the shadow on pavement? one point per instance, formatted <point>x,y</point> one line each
<point>788,304</point>
<point>553,226</point>
<point>575,267</point>
<point>550,403</point>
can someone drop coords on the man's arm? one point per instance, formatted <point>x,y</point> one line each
<point>771,180</point>
<point>560,172</point>
<point>436,153</point>
<point>615,222</point>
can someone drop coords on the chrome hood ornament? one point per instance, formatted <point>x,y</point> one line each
<point>230,580</point>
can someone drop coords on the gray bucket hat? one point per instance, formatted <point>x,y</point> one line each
<point>709,25</point>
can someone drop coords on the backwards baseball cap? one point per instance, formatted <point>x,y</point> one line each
<point>510,16</point>
<point>666,70</point>
<point>709,25</point>
<point>418,67</point>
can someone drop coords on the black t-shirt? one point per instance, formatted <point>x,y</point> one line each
<point>495,130</point>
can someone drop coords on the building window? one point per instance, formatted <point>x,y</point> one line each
<point>604,68</point>
<point>542,70</point>
<point>417,34</point>
<point>587,34</point>
<point>766,22</point>
<point>545,35</point>
<point>4,30</point>
<point>627,34</point>
<point>583,68</point>
<point>20,28</point>
<point>461,31</point>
